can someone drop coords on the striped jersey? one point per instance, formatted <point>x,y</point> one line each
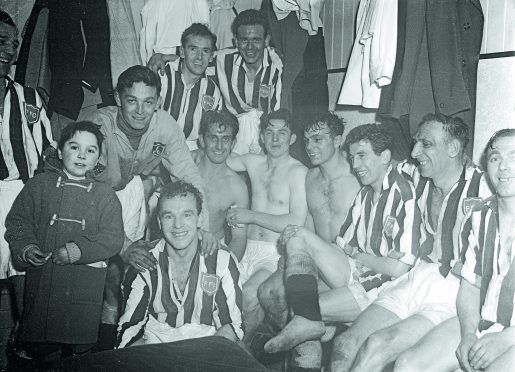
<point>489,265</point>
<point>240,95</point>
<point>212,295</point>
<point>186,105</point>
<point>24,133</point>
<point>439,242</point>
<point>383,228</point>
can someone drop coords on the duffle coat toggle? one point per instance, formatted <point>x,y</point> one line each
<point>55,218</point>
<point>62,182</point>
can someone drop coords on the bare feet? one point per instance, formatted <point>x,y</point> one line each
<point>298,330</point>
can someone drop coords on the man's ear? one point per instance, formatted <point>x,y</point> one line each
<point>59,154</point>
<point>117,98</point>
<point>338,141</point>
<point>201,141</point>
<point>386,157</point>
<point>235,41</point>
<point>267,40</point>
<point>293,138</point>
<point>159,102</point>
<point>159,222</point>
<point>453,148</point>
<point>181,51</point>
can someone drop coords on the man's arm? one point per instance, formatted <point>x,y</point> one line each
<point>383,265</point>
<point>297,212</point>
<point>238,163</point>
<point>467,305</point>
<point>239,233</point>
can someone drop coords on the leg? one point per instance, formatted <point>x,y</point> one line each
<point>434,352</point>
<point>504,363</point>
<point>272,297</point>
<point>384,346</point>
<point>339,305</point>
<point>253,314</point>
<point>347,344</point>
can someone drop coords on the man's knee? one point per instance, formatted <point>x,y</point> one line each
<point>344,343</point>
<point>377,342</point>
<point>296,245</point>
<point>270,290</point>
<point>408,361</point>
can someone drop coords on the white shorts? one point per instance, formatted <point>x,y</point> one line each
<point>422,291</point>
<point>157,332</point>
<point>134,210</point>
<point>258,255</point>
<point>9,190</point>
<point>362,297</point>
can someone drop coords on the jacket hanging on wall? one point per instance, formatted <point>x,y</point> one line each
<point>78,38</point>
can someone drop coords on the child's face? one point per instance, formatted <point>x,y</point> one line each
<point>80,154</point>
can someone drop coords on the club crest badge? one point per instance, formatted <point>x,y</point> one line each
<point>209,283</point>
<point>208,102</point>
<point>264,90</point>
<point>31,113</point>
<point>471,204</point>
<point>388,226</point>
<point>158,148</point>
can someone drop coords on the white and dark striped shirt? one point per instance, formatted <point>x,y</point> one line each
<point>489,266</point>
<point>240,95</point>
<point>186,105</point>
<point>24,133</point>
<point>439,243</point>
<point>153,294</point>
<point>383,228</point>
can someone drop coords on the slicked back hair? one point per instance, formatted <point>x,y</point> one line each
<point>333,122</point>
<point>221,118</point>
<point>455,128</point>
<point>379,139</point>
<point>179,188</point>
<point>137,74</point>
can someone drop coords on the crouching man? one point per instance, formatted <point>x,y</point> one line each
<point>188,295</point>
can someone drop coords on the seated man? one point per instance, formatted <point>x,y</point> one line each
<point>187,91</point>
<point>370,250</point>
<point>249,76</point>
<point>188,295</point>
<point>278,199</point>
<point>139,137</point>
<point>224,187</point>
<point>485,298</point>
<point>414,303</point>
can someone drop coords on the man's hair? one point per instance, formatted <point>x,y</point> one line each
<point>378,138</point>
<point>281,114</point>
<point>198,29</point>
<point>455,128</point>
<point>180,188</point>
<point>222,118</point>
<point>6,18</point>
<point>137,74</point>
<point>81,126</point>
<point>501,133</point>
<point>333,122</point>
<point>250,17</point>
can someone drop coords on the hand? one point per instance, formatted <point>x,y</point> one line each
<point>35,257</point>
<point>487,349</point>
<point>139,257</point>
<point>462,353</point>
<point>350,251</point>
<point>235,216</point>
<point>158,62</point>
<point>60,256</point>
<point>210,244</point>
<point>289,232</point>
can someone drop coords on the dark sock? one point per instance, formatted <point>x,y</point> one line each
<point>302,296</point>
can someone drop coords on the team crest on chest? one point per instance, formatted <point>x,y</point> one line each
<point>388,226</point>
<point>208,102</point>
<point>264,90</point>
<point>471,204</point>
<point>158,148</point>
<point>31,113</point>
<point>209,283</point>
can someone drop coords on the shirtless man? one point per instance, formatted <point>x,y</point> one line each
<point>223,187</point>
<point>278,199</point>
<point>327,205</point>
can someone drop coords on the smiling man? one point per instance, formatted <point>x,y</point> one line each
<point>139,138</point>
<point>369,251</point>
<point>278,199</point>
<point>187,295</point>
<point>447,186</point>
<point>187,91</point>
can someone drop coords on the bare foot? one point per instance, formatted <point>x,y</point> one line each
<point>298,330</point>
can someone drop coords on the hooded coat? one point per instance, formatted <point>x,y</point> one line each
<point>63,303</point>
